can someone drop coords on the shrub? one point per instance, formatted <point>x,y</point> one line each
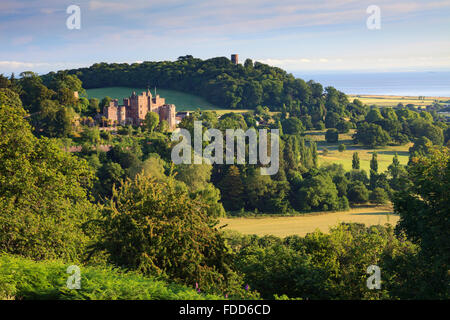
<point>157,229</point>
<point>357,192</point>
<point>22,278</point>
<point>332,136</point>
<point>379,196</point>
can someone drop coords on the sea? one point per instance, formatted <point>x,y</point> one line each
<point>431,84</point>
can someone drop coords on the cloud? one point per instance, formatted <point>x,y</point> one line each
<point>19,66</point>
<point>385,63</point>
<point>109,6</point>
<point>22,40</point>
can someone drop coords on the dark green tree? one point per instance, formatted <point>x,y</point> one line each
<point>355,161</point>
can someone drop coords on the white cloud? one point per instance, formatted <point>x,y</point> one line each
<point>22,40</point>
<point>20,66</point>
<point>360,63</point>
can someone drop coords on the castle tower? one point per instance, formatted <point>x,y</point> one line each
<point>235,58</point>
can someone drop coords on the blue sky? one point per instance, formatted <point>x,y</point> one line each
<point>297,35</point>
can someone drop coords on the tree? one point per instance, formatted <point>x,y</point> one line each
<point>53,120</point>
<point>110,174</point>
<point>94,106</point>
<point>374,115</point>
<point>355,161</point>
<point>232,189</point>
<point>9,98</point>
<point>344,126</point>
<point>357,192</point>
<point>372,135</point>
<point>421,147</point>
<point>44,198</point>
<point>332,119</point>
<point>341,147</point>
<point>317,193</point>
<point>378,196</point>
<point>293,126</point>
<point>151,121</point>
<point>163,126</point>
<point>105,102</point>
<point>332,136</point>
<point>33,91</point>
<point>424,217</point>
<point>195,176</point>
<point>210,195</point>
<point>157,229</point>
<point>374,162</point>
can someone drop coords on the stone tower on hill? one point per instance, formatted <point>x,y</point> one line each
<point>235,58</point>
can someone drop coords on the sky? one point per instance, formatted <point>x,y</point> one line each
<point>296,35</point>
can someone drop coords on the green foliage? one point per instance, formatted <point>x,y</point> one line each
<point>422,128</point>
<point>151,121</point>
<point>43,193</point>
<point>292,126</point>
<point>374,162</point>
<point>53,120</point>
<point>196,176</point>
<point>371,135</point>
<point>222,83</point>
<point>317,193</point>
<point>355,161</point>
<point>9,98</point>
<point>424,217</point>
<point>157,228</point>
<point>231,188</point>
<point>357,192</point>
<point>33,91</point>
<point>378,196</point>
<point>374,115</point>
<point>24,279</point>
<point>342,147</point>
<point>320,266</point>
<point>332,136</point>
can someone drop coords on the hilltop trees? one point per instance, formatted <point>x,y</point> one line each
<point>224,84</point>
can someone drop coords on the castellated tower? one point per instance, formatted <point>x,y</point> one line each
<point>167,112</point>
<point>235,58</point>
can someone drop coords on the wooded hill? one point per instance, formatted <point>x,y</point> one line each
<point>218,80</point>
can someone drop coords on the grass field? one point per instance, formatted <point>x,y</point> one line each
<point>183,101</point>
<point>301,225</point>
<point>385,154</point>
<point>391,101</point>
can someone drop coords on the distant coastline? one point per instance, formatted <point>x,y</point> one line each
<point>429,84</point>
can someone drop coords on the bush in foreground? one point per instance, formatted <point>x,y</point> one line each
<point>21,278</point>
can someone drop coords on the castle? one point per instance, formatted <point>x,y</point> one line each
<point>136,107</point>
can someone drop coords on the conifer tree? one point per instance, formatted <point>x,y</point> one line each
<point>355,162</point>
<point>231,188</point>
<point>374,162</point>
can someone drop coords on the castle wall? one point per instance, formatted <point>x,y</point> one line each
<point>136,107</point>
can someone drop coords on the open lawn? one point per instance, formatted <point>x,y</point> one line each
<point>301,225</point>
<point>183,101</point>
<point>391,101</point>
<point>385,154</point>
